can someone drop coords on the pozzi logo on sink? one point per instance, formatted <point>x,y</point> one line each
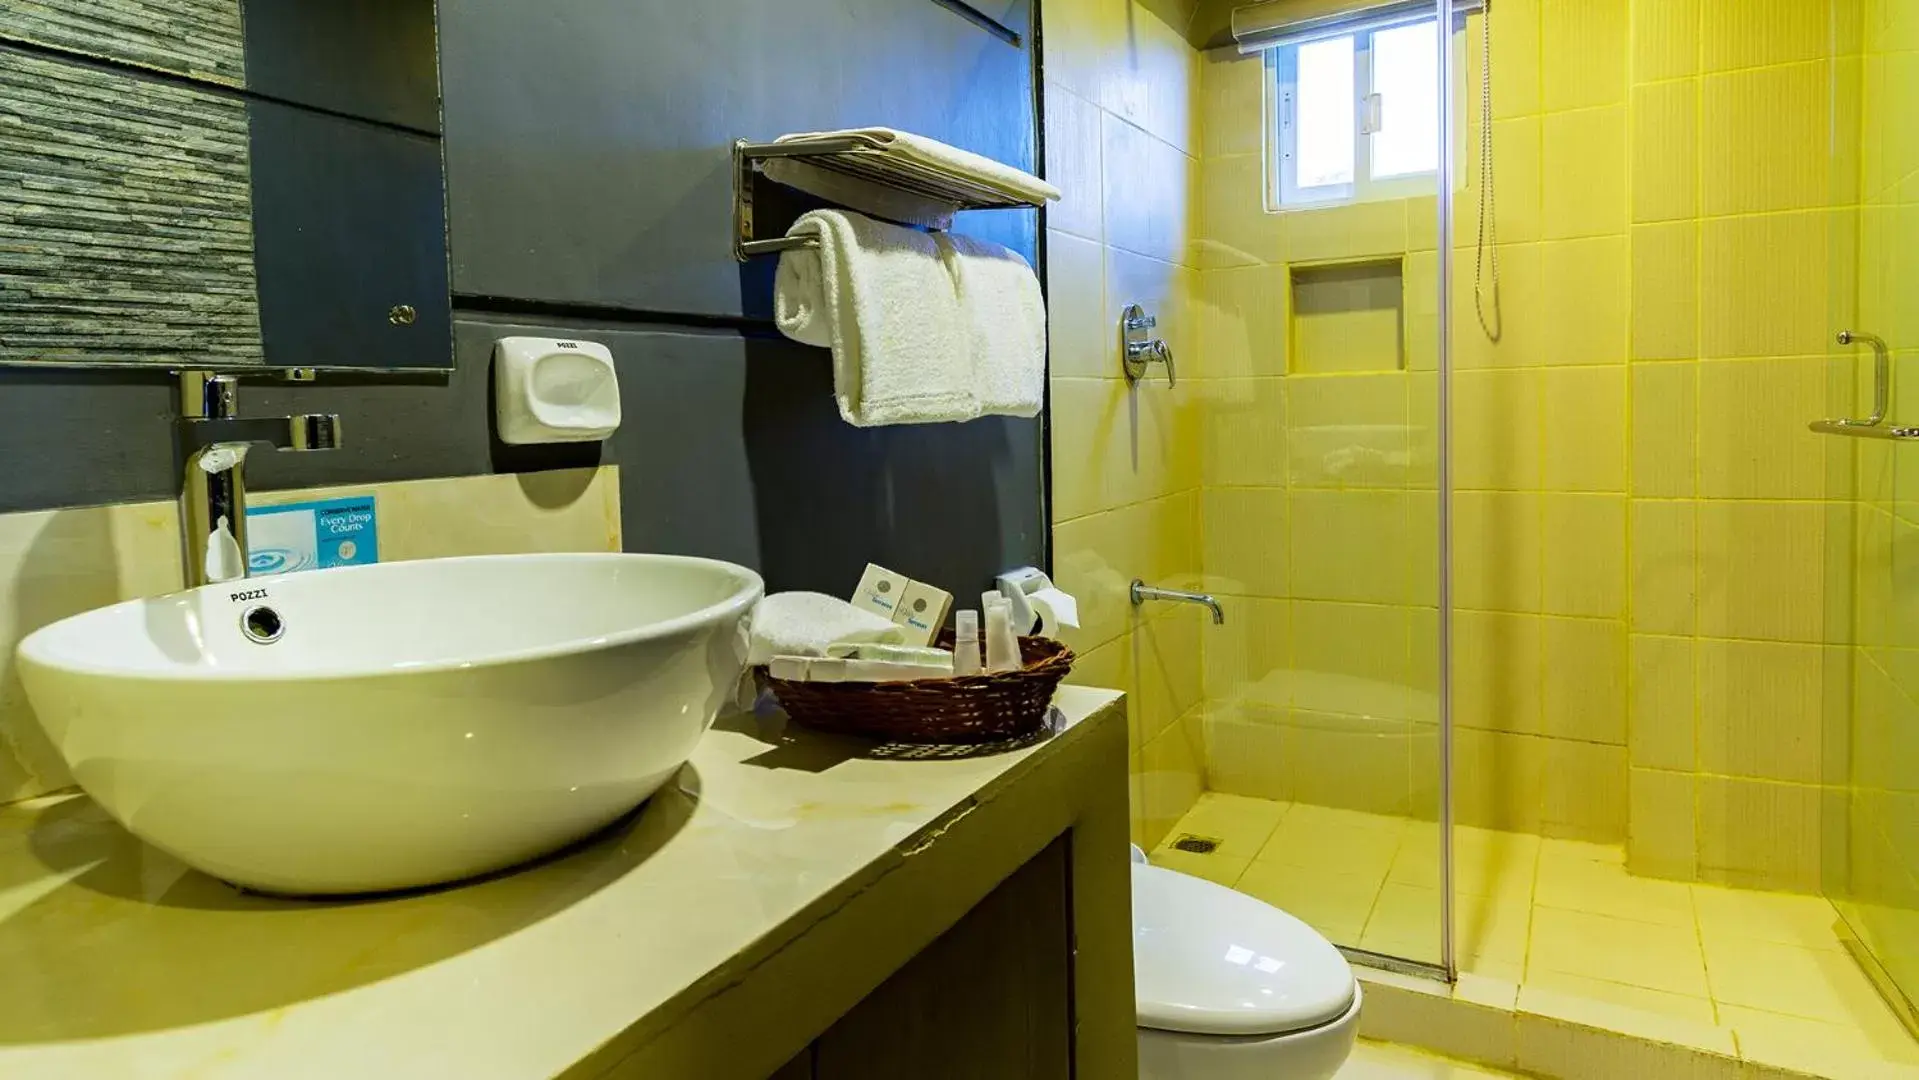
<point>247,594</point>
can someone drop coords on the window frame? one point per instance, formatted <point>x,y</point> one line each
<point>1283,192</point>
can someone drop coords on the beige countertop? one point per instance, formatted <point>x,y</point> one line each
<point>116,961</point>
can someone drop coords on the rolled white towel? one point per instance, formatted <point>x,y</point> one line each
<point>799,298</point>
<point>805,623</point>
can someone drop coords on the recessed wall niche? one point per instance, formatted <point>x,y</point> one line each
<point>1348,317</point>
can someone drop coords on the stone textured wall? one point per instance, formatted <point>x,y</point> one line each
<point>200,38</point>
<point>125,219</point>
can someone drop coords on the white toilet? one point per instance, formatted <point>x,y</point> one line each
<point>1231,988</point>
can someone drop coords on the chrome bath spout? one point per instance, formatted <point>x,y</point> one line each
<point>1142,592</point>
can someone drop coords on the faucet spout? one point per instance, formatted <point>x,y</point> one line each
<point>1142,592</point>
<point>307,431</point>
<point>214,442</point>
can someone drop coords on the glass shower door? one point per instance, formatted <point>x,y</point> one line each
<point>1321,509</point>
<point>1874,876</point>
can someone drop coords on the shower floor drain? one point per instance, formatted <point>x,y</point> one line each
<point>1198,845</point>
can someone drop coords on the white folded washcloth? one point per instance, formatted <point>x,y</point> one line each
<point>881,201</point>
<point>888,296</point>
<point>805,623</point>
<point>1005,317</point>
<point>919,149</point>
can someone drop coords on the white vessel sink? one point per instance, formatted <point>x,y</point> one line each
<point>411,723</point>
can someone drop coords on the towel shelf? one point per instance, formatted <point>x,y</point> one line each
<point>863,157</point>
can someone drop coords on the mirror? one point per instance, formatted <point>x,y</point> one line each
<point>229,184</point>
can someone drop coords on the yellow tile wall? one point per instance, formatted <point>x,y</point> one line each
<point>57,563</point>
<point>1653,557</point>
<point>1122,144</point>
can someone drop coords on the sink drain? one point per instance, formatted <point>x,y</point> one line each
<point>262,625</point>
<point>1198,845</point>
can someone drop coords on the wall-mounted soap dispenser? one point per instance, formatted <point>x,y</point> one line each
<point>547,390</point>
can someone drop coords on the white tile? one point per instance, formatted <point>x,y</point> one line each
<point>1390,1061</point>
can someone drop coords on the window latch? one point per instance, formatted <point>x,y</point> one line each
<point>1369,114</point>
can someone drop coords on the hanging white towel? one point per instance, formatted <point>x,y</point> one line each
<point>1016,183</point>
<point>1005,317</point>
<point>900,346</point>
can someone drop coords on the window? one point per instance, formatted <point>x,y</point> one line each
<point>1357,116</point>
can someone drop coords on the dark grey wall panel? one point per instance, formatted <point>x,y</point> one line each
<point>78,438</point>
<point>731,447</point>
<point>349,223</point>
<point>125,219</point>
<point>369,58</point>
<point>587,142</point>
<point>197,38</point>
<point>950,504</point>
<point>116,431</point>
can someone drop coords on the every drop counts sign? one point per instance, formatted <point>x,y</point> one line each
<point>313,535</point>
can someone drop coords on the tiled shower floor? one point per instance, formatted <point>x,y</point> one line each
<point>1564,922</point>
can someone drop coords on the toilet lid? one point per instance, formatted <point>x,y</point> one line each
<point>1211,961</point>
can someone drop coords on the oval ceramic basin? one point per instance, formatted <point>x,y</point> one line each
<point>412,723</point>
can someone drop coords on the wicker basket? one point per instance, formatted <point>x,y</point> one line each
<point>967,709</point>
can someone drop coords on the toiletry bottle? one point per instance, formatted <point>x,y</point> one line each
<point>1002,646</point>
<point>966,643</point>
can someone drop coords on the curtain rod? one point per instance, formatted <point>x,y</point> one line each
<point>1258,27</point>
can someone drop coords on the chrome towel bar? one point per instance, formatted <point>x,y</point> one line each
<point>1874,426</point>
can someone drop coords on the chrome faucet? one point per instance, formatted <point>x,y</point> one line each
<point>1143,592</point>
<point>213,493</point>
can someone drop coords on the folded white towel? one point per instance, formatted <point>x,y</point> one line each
<point>892,204</point>
<point>805,623</point>
<point>918,148</point>
<point>900,346</point>
<point>1005,317</point>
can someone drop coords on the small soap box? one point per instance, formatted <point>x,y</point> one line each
<point>548,390</point>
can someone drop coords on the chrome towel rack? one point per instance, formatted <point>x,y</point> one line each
<point>1874,426</point>
<point>864,157</point>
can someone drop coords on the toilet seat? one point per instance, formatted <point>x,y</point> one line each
<point>1211,961</point>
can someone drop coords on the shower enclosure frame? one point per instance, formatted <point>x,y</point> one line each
<point>1448,14</point>
<point>1444,11</point>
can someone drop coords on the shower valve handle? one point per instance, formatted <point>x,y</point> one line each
<point>1137,351</point>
